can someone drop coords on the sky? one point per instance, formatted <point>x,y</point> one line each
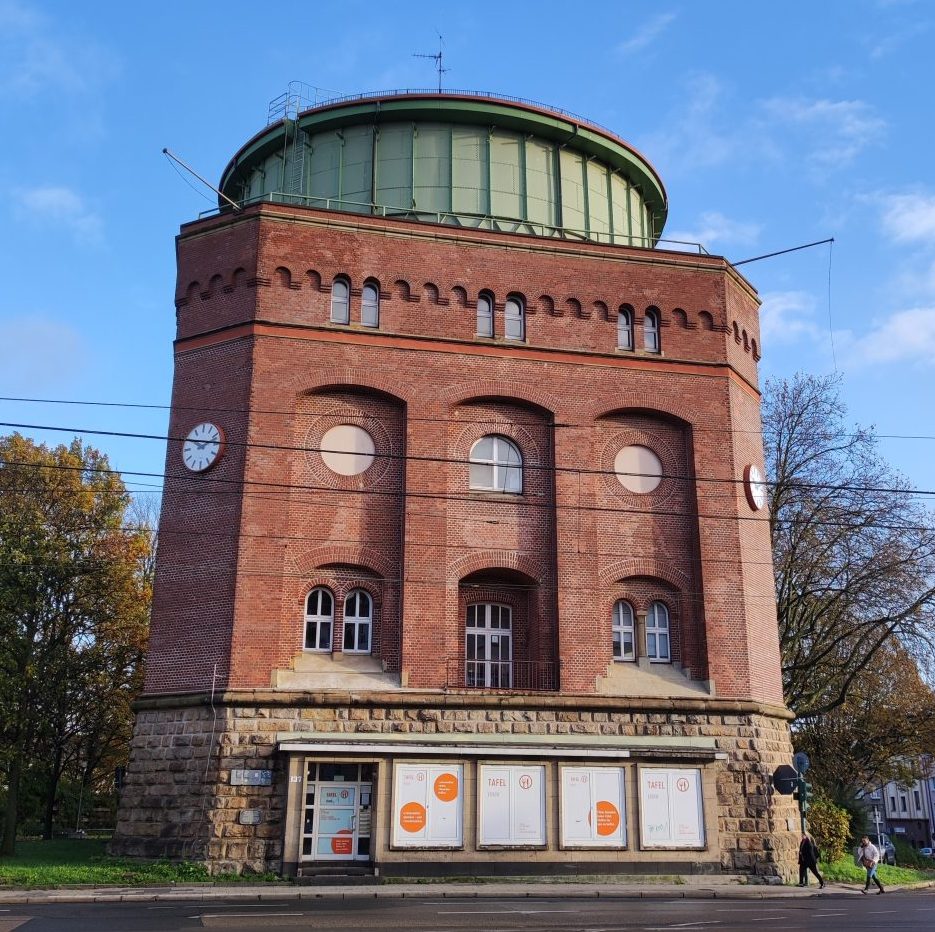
<point>771,124</point>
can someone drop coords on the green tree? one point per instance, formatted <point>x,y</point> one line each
<point>854,551</point>
<point>74,604</point>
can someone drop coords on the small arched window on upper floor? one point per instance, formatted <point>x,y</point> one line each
<point>625,327</point>
<point>623,631</point>
<point>358,622</point>
<point>370,305</point>
<point>496,465</point>
<point>340,301</point>
<point>485,315</point>
<point>514,319</point>
<point>651,331</point>
<point>319,619</point>
<point>658,643</point>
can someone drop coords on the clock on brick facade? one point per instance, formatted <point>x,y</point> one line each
<point>203,447</point>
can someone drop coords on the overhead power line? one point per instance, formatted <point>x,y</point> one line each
<point>536,467</point>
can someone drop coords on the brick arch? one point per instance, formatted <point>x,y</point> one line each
<point>459,296</point>
<point>646,567</point>
<point>493,560</point>
<point>314,279</point>
<point>283,277</point>
<point>509,391</point>
<point>670,410</point>
<point>402,290</point>
<point>355,378</point>
<point>309,562</point>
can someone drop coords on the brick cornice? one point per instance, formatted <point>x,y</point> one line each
<point>461,700</point>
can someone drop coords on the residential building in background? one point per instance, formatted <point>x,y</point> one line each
<point>464,565</point>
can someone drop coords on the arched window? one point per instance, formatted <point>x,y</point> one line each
<point>625,328</point>
<point>358,618</point>
<point>657,633</point>
<point>340,306</point>
<point>514,320</point>
<point>319,620</point>
<point>496,465</point>
<point>651,331</point>
<point>485,316</point>
<point>370,306</point>
<point>623,631</point>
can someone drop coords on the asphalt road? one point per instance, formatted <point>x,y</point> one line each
<point>894,912</point>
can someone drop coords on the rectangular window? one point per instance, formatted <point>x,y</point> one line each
<point>427,805</point>
<point>671,808</point>
<point>512,805</point>
<point>593,807</point>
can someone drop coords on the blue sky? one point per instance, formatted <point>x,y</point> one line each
<point>771,125</point>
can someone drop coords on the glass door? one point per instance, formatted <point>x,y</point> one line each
<point>489,646</point>
<point>338,807</point>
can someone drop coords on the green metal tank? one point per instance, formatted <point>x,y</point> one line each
<point>456,158</point>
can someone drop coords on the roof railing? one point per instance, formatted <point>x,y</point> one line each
<point>458,218</point>
<point>301,98</point>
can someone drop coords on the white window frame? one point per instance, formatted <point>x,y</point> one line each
<point>651,342</point>
<point>495,672</point>
<point>315,621</point>
<point>485,315</point>
<point>658,633</point>
<point>340,304</point>
<point>355,624</point>
<point>625,329</point>
<point>622,627</point>
<point>507,476</point>
<point>514,319</point>
<point>370,305</point>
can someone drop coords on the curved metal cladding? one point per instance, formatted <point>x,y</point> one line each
<point>468,161</point>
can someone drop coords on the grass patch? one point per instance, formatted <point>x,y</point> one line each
<point>69,862</point>
<point>846,871</point>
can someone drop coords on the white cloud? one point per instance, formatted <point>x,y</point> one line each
<point>57,205</point>
<point>904,336</point>
<point>838,130</point>
<point>909,217</point>
<point>647,33</point>
<point>39,353</point>
<point>788,317</point>
<point>714,228</point>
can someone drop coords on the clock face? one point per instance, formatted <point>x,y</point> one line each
<point>202,447</point>
<point>755,487</point>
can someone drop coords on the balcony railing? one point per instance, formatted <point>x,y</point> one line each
<point>512,675</point>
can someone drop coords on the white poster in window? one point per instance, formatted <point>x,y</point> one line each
<point>671,810</point>
<point>427,805</point>
<point>593,807</point>
<point>512,805</point>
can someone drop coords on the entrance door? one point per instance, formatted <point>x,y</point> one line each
<point>338,806</point>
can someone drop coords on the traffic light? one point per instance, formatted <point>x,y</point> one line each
<point>802,794</point>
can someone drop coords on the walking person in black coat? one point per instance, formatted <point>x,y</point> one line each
<point>808,860</point>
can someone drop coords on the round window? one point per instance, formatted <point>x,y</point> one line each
<point>347,450</point>
<point>638,469</point>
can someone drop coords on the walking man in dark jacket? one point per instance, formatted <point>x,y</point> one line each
<point>808,860</point>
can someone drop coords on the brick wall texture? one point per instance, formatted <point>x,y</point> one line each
<point>243,544</point>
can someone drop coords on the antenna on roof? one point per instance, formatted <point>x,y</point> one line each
<point>437,58</point>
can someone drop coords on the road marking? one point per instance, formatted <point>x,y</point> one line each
<point>830,914</point>
<point>239,915</point>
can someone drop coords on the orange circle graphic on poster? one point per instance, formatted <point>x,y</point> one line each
<point>412,817</point>
<point>446,787</point>
<point>608,818</point>
<point>342,843</point>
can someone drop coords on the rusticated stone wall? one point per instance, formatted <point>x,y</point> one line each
<point>178,801</point>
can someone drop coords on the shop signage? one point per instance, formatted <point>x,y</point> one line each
<point>593,807</point>
<point>671,811</point>
<point>512,805</point>
<point>251,778</point>
<point>427,805</point>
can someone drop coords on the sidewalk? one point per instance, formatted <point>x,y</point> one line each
<point>695,888</point>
